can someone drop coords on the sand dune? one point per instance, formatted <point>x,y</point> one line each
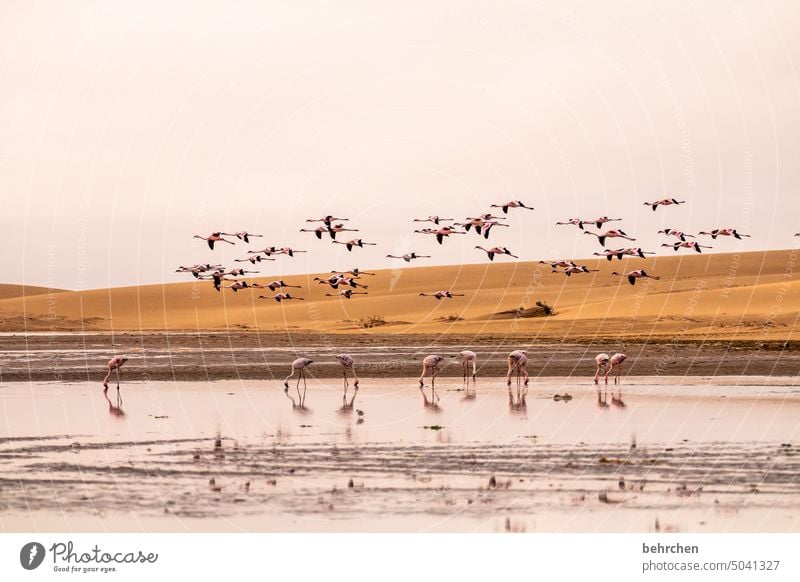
<point>736,296</point>
<point>9,291</point>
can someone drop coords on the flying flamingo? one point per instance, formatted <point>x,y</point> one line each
<point>664,202</point>
<point>287,251</point>
<point>335,280</point>
<point>408,257</point>
<point>354,272</point>
<point>278,284</point>
<point>197,270</point>
<point>253,259</point>
<point>212,238</point>
<point>676,233</point>
<point>637,274</point>
<point>440,233</point>
<point>481,225</point>
<point>561,263</point>
<point>434,219</point>
<point>468,357</point>
<point>299,366</point>
<point>356,242</point>
<point>497,251</point>
<point>511,204</point>
<point>576,221</point>
<point>601,237</point>
<point>346,293</point>
<point>114,363</point>
<point>725,232</point>
<point>602,361</point>
<point>348,363</point>
<point>575,269</point>
<point>619,253</point>
<point>243,236</point>
<point>486,216</point>
<point>319,231</point>
<point>327,220</point>
<point>236,285</point>
<point>281,297</point>
<point>687,245</point>
<point>599,222</point>
<point>442,295</point>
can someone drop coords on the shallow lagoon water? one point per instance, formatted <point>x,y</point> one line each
<point>694,454</point>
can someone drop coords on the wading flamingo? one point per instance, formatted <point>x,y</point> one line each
<point>616,362</point>
<point>468,357</point>
<point>348,363</point>
<point>518,362</point>
<point>114,363</point>
<point>431,363</point>
<point>298,366</point>
<point>602,361</point>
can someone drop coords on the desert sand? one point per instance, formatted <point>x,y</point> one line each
<point>749,296</point>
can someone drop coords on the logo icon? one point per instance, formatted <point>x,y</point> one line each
<point>31,555</point>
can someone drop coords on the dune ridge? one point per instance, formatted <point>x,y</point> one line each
<point>742,296</point>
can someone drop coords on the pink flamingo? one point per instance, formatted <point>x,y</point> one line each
<point>560,263</point>
<point>280,283</point>
<point>518,362</point>
<point>408,257</point>
<point>467,357</point>
<point>664,202</point>
<point>298,366</point>
<point>440,233</point>
<point>725,232</point>
<point>431,363</point>
<point>575,269</point>
<point>114,363</point>
<point>356,242</point>
<point>601,237</point>
<point>354,272</point>
<point>576,221</point>
<point>676,233</point>
<point>282,297</point>
<point>687,245</point>
<point>602,361</point>
<point>348,363</point>
<point>253,259</point>
<point>328,220</point>
<point>637,274</point>
<point>616,362</point>
<point>346,293</point>
<point>212,238</point>
<point>599,222</point>
<point>434,219</point>
<point>511,204</point>
<point>497,251</point>
<point>243,236</point>
<point>439,295</point>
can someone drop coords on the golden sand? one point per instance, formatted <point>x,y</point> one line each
<point>748,296</point>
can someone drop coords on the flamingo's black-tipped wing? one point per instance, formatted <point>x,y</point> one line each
<point>439,238</point>
<point>318,234</point>
<point>631,279</point>
<point>210,244</point>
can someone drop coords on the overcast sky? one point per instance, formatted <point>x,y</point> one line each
<point>128,127</point>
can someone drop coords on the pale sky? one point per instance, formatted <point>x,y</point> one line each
<point>128,127</point>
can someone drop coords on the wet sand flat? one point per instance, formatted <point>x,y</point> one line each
<point>685,454</point>
<point>265,356</point>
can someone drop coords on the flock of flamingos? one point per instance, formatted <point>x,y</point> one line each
<point>482,225</point>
